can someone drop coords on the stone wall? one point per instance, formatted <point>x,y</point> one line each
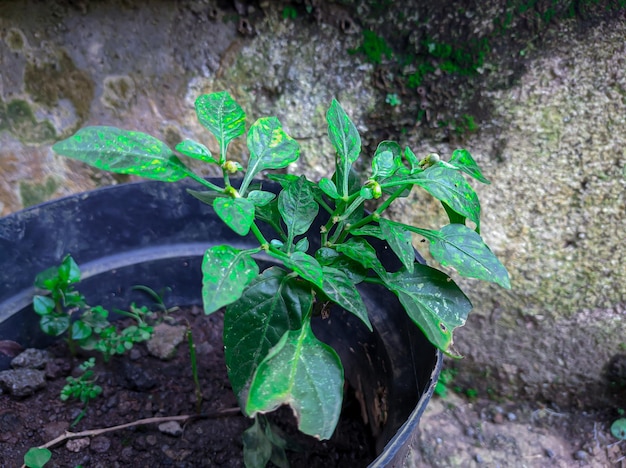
<point>551,140</point>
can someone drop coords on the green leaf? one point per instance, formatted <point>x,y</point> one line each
<point>453,216</point>
<point>360,250</point>
<point>458,246</point>
<point>222,116</point>
<point>207,196</point>
<point>450,187</point>
<point>270,147</point>
<point>432,301</point>
<point>273,303</point>
<point>122,151</point>
<point>37,457</point>
<point>47,279</point>
<point>304,373</point>
<point>387,160</point>
<point>399,239</point>
<point>54,325</point>
<point>237,213</point>
<point>306,266</point>
<point>328,187</point>
<point>195,150</point>
<point>618,429</point>
<point>413,160</point>
<point>226,272</point>
<point>69,273</point>
<point>43,305</point>
<point>80,330</point>
<point>260,198</point>
<point>346,140</point>
<point>341,290</point>
<point>368,230</point>
<point>463,160</point>
<point>297,207</point>
<point>257,448</point>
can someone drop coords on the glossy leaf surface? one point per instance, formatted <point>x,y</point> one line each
<point>226,272</point>
<point>399,239</point>
<point>195,150</point>
<point>432,301</point>
<point>297,207</point>
<point>463,160</point>
<point>270,147</point>
<point>304,373</point>
<point>122,151</point>
<point>273,304</point>
<point>387,160</point>
<point>307,267</point>
<point>346,140</point>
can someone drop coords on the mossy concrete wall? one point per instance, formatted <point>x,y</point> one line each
<point>552,145</point>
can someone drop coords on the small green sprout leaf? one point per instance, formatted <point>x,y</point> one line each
<point>618,429</point>
<point>125,152</point>
<point>237,213</point>
<point>54,325</point>
<point>297,207</point>
<point>195,150</point>
<point>222,116</point>
<point>37,457</point>
<point>226,272</point>
<point>346,140</point>
<point>329,188</point>
<point>261,198</point>
<point>304,373</point>
<point>432,301</point>
<point>387,160</point>
<point>43,305</point>
<point>463,160</point>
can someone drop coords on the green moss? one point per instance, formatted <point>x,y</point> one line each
<point>35,193</point>
<point>22,123</point>
<point>15,39</point>
<point>374,47</point>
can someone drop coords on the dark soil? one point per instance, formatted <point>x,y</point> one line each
<point>138,385</point>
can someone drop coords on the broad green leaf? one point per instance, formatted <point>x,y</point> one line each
<point>302,245</point>
<point>54,325</point>
<point>80,330</point>
<point>432,301</point>
<point>399,239</point>
<point>304,373</point>
<point>226,272</point>
<point>270,147</point>
<point>341,290</point>
<point>450,187</point>
<point>269,214</point>
<point>43,305</point>
<point>458,246</point>
<point>346,140</point>
<point>413,160</point>
<point>48,278</point>
<point>297,207</point>
<point>329,188</point>
<point>195,150</point>
<point>222,116</point>
<point>69,272</point>
<point>453,216</point>
<point>360,250</point>
<point>463,160</point>
<point>260,198</point>
<point>368,230</point>
<point>306,266</point>
<point>387,160</point>
<point>273,303</point>
<point>96,317</point>
<point>122,151</point>
<point>237,213</point>
<point>37,457</point>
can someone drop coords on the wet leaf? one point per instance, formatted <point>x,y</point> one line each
<point>195,150</point>
<point>222,116</point>
<point>237,213</point>
<point>297,207</point>
<point>270,147</point>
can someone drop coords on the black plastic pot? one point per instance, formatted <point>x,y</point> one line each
<point>155,234</point>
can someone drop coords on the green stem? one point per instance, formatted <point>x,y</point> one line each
<point>194,369</point>
<point>206,183</point>
<point>259,236</point>
<point>376,214</point>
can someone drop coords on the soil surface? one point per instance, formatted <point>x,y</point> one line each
<point>137,386</point>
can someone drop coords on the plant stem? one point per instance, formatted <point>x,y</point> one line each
<point>194,369</point>
<point>206,183</point>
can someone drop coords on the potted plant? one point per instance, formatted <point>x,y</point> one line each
<point>312,264</point>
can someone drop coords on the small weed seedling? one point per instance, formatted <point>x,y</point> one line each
<point>272,355</point>
<point>82,388</point>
